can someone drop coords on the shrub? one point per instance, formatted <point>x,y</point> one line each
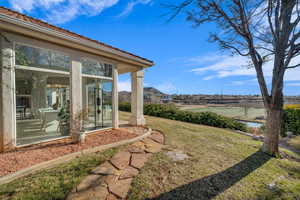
<point>125,106</point>
<point>291,121</point>
<point>292,106</point>
<point>170,111</point>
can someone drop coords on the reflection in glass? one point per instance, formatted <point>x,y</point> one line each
<point>107,103</point>
<point>95,68</point>
<point>41,58</point>
<point>42,106</point>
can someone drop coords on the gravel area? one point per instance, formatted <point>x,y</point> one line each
<point>21,158</point>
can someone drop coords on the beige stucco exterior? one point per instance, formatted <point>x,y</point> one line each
<point>17,31</point>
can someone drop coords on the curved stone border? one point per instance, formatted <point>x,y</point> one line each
<point>112,179</point>
<point>52,163</point>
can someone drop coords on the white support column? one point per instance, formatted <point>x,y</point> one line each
<point>7,105</point>
<point>115,99</point>
<point>76,111</point>
<point>137,98</point>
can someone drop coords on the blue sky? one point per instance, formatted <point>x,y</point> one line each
<point>186,62</point>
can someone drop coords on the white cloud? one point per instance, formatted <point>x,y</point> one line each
<point>293,84</point>
<point>166,87</point>
<point>124,85</point>
<point>61,11</point>
<point>130,6</point>
<point>208,77</point>
<point>199,60</point>
<point>229,66</point>
<point>246,82</point>
<point>29,5</point>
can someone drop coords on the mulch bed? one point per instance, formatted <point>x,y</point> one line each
<point>21,158</point>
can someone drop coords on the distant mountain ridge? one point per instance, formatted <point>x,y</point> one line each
<point>151,95</point>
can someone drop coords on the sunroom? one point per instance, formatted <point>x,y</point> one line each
<point>57,84</point>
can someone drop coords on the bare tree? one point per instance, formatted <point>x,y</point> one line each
<point>264,31</point>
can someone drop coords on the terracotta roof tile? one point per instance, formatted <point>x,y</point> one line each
<point>26,18</point>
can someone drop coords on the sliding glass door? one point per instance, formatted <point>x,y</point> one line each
<point>97,98</point>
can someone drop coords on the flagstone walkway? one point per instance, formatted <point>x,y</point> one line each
<point>112,179</point>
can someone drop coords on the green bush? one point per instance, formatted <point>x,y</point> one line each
<point>291,121</point>
<point>125,106</point>
<point>170,111</point>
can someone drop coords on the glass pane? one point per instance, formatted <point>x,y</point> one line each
<point>107,103</point>
<point>92,67</point>
<point>42,106</point>
<point>108,70</point>
<point>41,58</point>
<point>96,68</point>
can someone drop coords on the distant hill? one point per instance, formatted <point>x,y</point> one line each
<point>151,94</point>
<point>153,91</point>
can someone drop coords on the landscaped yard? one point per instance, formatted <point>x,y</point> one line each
<point>235,112</point>
<point>221,164</point>
<point>54,183</point>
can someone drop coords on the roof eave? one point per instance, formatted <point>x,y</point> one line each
<point>80,41</point>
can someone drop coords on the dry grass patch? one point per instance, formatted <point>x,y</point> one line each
<point>295,142</point>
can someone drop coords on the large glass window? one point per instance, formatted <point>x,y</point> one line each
<point>41,58</point>
<point>95,68</point>
<point>42,106</point>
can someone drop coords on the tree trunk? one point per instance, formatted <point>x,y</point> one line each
<point>273,129</point>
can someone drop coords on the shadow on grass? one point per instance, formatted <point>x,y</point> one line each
<point>210,186</point>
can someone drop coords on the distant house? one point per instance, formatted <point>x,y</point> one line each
<point>56,83</point>
<point>166,99</point>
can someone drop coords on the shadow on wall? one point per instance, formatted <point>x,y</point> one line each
<point>210,186</point>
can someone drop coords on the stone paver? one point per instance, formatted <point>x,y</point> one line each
<point>99,192</point>
<point>105,169</point>
<point>138,145</point>
<point>121,187</point>
<point>89,182</point>
<point>112,197</point>
<point>177,155</point>
<point>121,160</point>
<point>157,137</point>
<point>138,159</point>
<point>129,172</point>
<point>112,179</point>
<point>151,146</point>
<point>136,149</point>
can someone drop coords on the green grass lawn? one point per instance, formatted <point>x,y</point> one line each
<point>221,165</point>
<point>235,112</point>
<point>55,183</point>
